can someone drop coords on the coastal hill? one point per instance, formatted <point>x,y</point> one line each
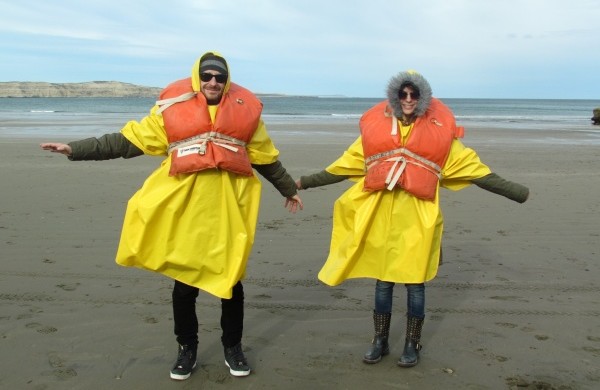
<point>86,89</point>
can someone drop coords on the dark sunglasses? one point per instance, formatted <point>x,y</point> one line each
<point>206,77</point>
<point>403,95</point>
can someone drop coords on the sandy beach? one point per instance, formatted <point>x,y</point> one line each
<point>516,303</point>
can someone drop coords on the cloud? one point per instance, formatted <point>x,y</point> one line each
<point>309,47</point>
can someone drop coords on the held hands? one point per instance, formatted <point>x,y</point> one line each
<point>293,203</point>
<point>55,147</point>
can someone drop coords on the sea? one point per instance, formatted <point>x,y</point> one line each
<point>81,117</point>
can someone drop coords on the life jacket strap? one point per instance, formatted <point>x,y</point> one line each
<point>398,156</point>
<point>399,166</point>
<point>216,138</point>
<point>166,103</point>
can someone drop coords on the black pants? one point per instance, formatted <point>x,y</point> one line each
<point>186,321</point>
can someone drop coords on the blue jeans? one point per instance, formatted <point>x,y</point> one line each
<point>415,298</point>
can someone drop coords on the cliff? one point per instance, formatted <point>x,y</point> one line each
<point>87,89</point>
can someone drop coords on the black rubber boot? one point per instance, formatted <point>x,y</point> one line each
<point>412,346</point>
<point>379,345</point>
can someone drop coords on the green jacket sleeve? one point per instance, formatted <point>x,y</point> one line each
<point>322,178</point>
<point>107,147</point>
<point>498,185</point>
<point>276,174</point>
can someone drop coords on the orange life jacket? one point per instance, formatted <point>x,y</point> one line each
<point>195,143</point>
<point>415,166</point>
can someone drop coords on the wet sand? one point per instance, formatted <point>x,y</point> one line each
<point>515,305</point>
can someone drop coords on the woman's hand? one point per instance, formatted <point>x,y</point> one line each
<point>293,203</point>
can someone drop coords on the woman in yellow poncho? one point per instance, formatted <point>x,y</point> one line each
<point>194,219</point>
<point>388,226</point>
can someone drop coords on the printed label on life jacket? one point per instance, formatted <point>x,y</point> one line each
<point>191,149</point>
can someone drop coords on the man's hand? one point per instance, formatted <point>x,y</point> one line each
<point>293,203</point>
<point>57,148</point>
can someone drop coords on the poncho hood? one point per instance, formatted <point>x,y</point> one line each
<point>196,71</point>
<point>398,82</point>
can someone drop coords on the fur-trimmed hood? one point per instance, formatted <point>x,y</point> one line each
<point>416,80</point>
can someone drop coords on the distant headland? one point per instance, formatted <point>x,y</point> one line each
<point>86,89</point>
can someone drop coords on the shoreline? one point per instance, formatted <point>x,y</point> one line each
<point>315,132</point>
<point>518,286</point>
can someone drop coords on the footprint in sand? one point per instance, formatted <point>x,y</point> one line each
<point>41,328</point>
<point>68,286</point>
<point>592,350</point>
<point>339,294</point>
<point>58,364</point>
<point>506,324</point>
<point>150,320</point>
<point>522,383</point>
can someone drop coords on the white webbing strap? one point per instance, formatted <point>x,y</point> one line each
<point>391,181</point>
<point>216,142</point>
<point>429,164</point>
<point>166,103</point>
<point>400,163</point>
<point>216,138</point>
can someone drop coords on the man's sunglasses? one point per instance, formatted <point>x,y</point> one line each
<point>403,95</point>
<point>206,77</point>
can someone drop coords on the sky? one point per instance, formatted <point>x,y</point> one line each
<point>539,49</point>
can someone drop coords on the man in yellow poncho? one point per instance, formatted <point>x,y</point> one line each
<point>194,219</point>
<point>388,226</point>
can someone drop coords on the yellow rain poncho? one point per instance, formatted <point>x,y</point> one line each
<point>390,235</point>
<point>196,228</point>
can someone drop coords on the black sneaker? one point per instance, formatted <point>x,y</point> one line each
<point>236,361</point>
<point>186,362</point>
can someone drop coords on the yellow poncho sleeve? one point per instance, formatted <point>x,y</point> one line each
<point>351,163</point>
<point>462,166</point>
<point>148,134</point>
<point>261,149</point>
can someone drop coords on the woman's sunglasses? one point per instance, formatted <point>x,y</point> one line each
<point>206,77</point>
<point>403,95</point>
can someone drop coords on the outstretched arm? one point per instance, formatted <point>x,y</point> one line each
<point>107,147</point>
<point>498,185</point>
<point>276,174</point>
<point>322,178</point>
